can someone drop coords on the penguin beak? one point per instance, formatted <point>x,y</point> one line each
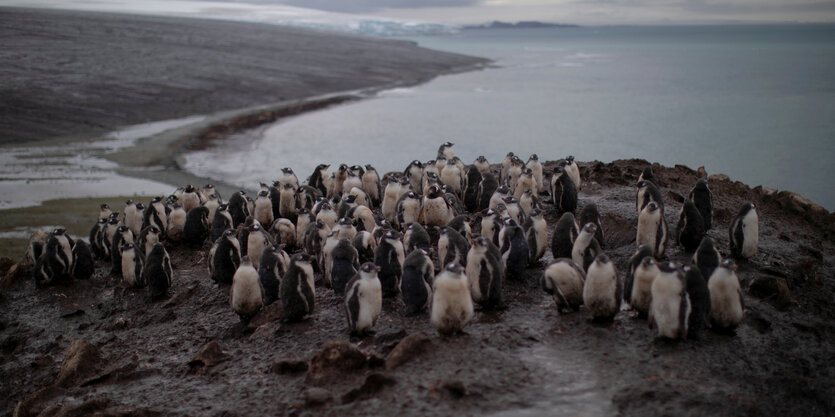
<point>377,268</point>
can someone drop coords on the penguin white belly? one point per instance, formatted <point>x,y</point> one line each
<point>246,293</point>
<point>371,304</point>
<point>599,294</point>
<point>452,176</point>
<point>128,270</point>
<point>263,212</point>
<point>750,231</point>
<point>411,211</point>
<point>641,296</point>
<point>666,307</point>
<point>725,306</point>
<point>647,231</point>
<point>255,246</point>
<point>436,212</point>
<point>473,272</point>
<point>390,196</point>
<point>452,306</point>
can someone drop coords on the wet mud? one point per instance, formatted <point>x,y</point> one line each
<point>190,355</point>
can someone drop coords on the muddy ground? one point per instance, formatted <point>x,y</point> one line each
<point>525,360</point>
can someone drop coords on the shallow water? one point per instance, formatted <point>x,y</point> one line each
<point>753,102</point>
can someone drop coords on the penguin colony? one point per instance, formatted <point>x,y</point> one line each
<point>441,235</point>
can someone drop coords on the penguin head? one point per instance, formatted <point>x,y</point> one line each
<point>158,247</point>
<point>156,199</point>
<point>126,247</point>
<point>322,166</point>
<point>602,259</point>
<point>417,163</point>
<point>509,222</point>
<point>301,257</point>
<point>590,228</point>
<point>102,222</point>
<point>746,208</point>
<point>701,184</point>
<point>647,262</point>
<point>503,189</point>
<point>528,172</point>
<point>346,221</point>
<point>320,224</point>
<point>510,200</point>
<point>287,171</point>
<point>223,207</point>
<point>369,268</point>
<point>481,241</point>
<point>175,206</point>
<point>447,189</point>
<point>343,167</point>
<point>488,212</point>
<point>369,168</point>
<point>652,207</point>
<point>558,170</point>
<point>350,199</point>
<point>569,159</point>
<point>536,213</point>
<point>501,208</point>
<point>105,206</point>
<point>728,264</point>
<point>668,267</point>
<point>140,206</point>
<point>263,194</point>
<point>303,211</point>
<point>510,155</point>
<point>517,161</point>
<point>122,229</point>
<point>454,267</point>
<point>245,261</point>
<point>325,206</point>
<point>189,188</point>
<point>706,244</point>
<point>229,233</point>
<point>443,230</point>
<point>127,203</point>
<point>447,144</point>
<point>114,220</point>
<point>59,231</point>
<point>404,181</point>
<point>533,157</point>
<point>209,186</point>
<point>392,235</point>
<point>481,159</point>
<point>255,227</point>
<point>153,230</point>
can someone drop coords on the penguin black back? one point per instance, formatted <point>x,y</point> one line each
<point>648,192</point>
<point>690,229</point>
<point>590,214</point>
<point>221,221</point>
<point>344,265</point>
<point>270,273</point>
<point>514,249</point>
<point>699,301</point>
<point>196,228</point>
<point>703,199</point>
<point>562,240</point>
<point>563,192</point>
<point>296,290</point>
<point>416,237</point>
<point>643,251</point>
<point>416,283</point>
<point>486,188</point>
<point>707,258</point>
<point>157,272</point>
<point>472,180</point>
<point>82,260</point>
<point>238,208</point>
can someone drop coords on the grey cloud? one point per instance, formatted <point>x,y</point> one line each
<point>367,6</point>
<point>747,7</point>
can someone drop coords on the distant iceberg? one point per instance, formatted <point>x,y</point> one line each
<point>259,13</point>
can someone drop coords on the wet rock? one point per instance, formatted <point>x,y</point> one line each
<point>389,337</point>
<point>769,192</point>
<point>317,396</point>
<point>268,314</point>
<point>114,372</point>
<point>772,288</point>
<point>455,389</point>
<point>701,172</point>
<point>123,411</point>
<point>16,273</point>
<point>758,321</point>
<point>674,196</point>
<point>373,384</point>
<point>11,343</point>
<point>411,346</point>
<point>81,362</point>
<point>335,359</point>
<point>34,404</point>
<point>180,297</point>
<point>288,366</point>
<point>718,177</point>
<point>618,230</point>
<point>208,356</point>
<point>5,265</point>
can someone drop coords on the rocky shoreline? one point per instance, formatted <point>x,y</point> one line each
<point>95,346</point>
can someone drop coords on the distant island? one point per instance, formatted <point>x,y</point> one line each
<point>527,24</point>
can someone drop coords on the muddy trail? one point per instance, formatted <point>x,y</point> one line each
<point>189,355</point>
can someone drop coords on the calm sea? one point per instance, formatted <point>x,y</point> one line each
<point>754,102</point>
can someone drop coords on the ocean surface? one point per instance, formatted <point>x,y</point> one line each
<point>754,102</point>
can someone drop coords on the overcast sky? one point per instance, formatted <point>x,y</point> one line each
<point>583,11</point>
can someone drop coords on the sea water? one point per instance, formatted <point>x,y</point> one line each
<point>754,102</point>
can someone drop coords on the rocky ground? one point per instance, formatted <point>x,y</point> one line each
<point>96,347</point>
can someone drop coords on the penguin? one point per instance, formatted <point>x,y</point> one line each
<point>435,210</point>
<point>105,239</point>
<point>196,229</point>
<point>363,300</point>
<point>314,238</point>
<point>707,258</point>
<point>486,188</point>
<point>306,196</point>
<point>415,236</point>
<point>104,211</point>
<point>296,291</point>
<point>526,182</point>
<point>414,173</point>
<point>337,180</point>
<point>176,223</point>
<point>273,266</point>
<point>744,232</point>
<point>52,265</point>
<point>485,273</point>
<point>452,305</point>
<point>452,247</point>
<point>563,192</point>
<point>506,163</point>
<point>65,245</point>
<point>156,214</point>
<point>390,256</point>
<point>305,217</point>
<point>123,235</point>
<point>327,214</point>
<point>371,185</point>
<point>590,214</point>
<point>222,221</point>
<point>83,266</point>
<point>646,174</point>
<point>35,247</point>
<point>391,196</point>
<point>284,233</point>
<point>514,172</point>
<point>446,150</point>
<point>453,176</point>
<point>157,272</point>
<point>669,310</point>
<point>146,240</point>
<point>354,181</point>
<point>461,224</point>
<point>536,233</point>
<point>416,283</point>
<point>586,248</point>
<point>430,176</point>
<point>209,191</point>
<point>565,280</point>
<point>452,200</point>
<point>514,249</point>
<point>491,224</point>
<point>245,296</point>
<point>344,265</point>
<point>481,164</point>
<point>602,291</point>
<point>190,198</point>
<point>408,209</point>
<point>319,177</point>
<point>287,202</point>
<point>257,240</point>
<point>699,296</point>
<point>365,244</point>
<point>132,263</point>
<point>647,192</point>
<point>703,199</point>
<point>288,177</point>
<point>238,208</point>
<point>690,229</point>
<point>212,204</point>
<point>573,171</point>
<point>365,218</point>
<point>638,291</point>
<point>565,233</point>
<point>263,208</point>
<point>511,204</point>
<point>726,302</point>
<point>652,229</point>
<point>224,257</point>
<point>498,196</point>
<point>472,180</point>
<point>528,202</point>
<point>274,193</point>
<point>383,226</point>
<point>243,234</point>
<point>132,219</point>
<point>346,228</point>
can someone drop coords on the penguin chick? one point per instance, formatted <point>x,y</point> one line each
<point>563,192</point>
<point>327,215</point>
<point>364,300</point>
<point>690,229</point>
<point>156,214</point>
<point>238,208</point>
<point>148,237</point>
<point>506,163</point>
<point>302,221</point>
<point>391,196</point>
<point>246,297</point>
<point>123,235</point>
<point>157,272</point>
<point>257,240</point>
<point>83,266</point>
<point>699,296</point>
<point>132,264</point>
<point>481,164</point>
<point>669,311</point>
<point>190,198</point>
<point>319,177</point>
<point>703,199</point>
<point>485,273</point>
<point>435,210</point>
<point>565,280</point>
<point>639,284</point>
<point>176,223</point>
<point>707,258</point>
<point>224,257</point>
<point>499,194</point>
<point>647,192</point>
<point>416,283</point>
<point>284,233</point>
<point>408,209</point>
<point>514,249</point>
<point>36,247</point>
<point>273,266</point>
<point>55,263</point>
<point>461,224</point>
<point>602,292</point>
<point>646,174</point>
<point>365,244</point>
<point>364,217</point>
<point>573,171</point>
<point>536,232</point>
<point>446,150</point>
<point>222,220</point>
<point>104,211</point>
<point>744,232</point>
<point>296,291</point>
<point>472,179</point>
<point>526,182</point>
<point>390,256</point>
<point>590,214</point>
<point>371,185</point>
<point>345,228</point>
<point>586,248</point>
<point>196,229</point>
<point>565,233</point>
<point>536,168</point>
<point>452,176</point>
<point>491,224</point>
<point>416,237</point>
<point>263,208</point>
<point>726,301</point>
<point>652,229</point>
<point>288,177</point>
<point>452,306</point>
<point>486,188</point>
<point>133,217</point>
<point>452,247</point>
<point>344,265</point>
<point>414,174</point>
